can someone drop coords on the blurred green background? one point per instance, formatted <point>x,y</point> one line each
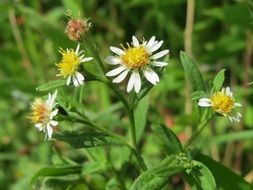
<point>32,32</point>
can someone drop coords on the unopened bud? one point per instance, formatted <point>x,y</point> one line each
<point>76,28</point>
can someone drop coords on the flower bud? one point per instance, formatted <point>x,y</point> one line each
<point>76,28</point>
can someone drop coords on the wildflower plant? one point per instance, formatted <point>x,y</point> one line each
<point>141,66</point>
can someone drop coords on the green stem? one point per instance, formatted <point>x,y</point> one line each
<point>132,128</point>
<point>95,54</point>
<point>134,142</point>
<point>200,127</point>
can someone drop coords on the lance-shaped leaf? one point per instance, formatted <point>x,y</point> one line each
<point>168,139</point>
<point>201,178</point>
<point>218,81</point>
<point>56,171</point>
<point>84,139</point>
<point>225,178</point>
<point>192,72</point>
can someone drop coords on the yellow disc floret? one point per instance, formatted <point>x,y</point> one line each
<point>40,112</point>
<point>222,103</point>
<point>135,57</point>
<point>69,63</point>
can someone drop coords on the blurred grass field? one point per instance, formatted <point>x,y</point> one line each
<point>33,31</point>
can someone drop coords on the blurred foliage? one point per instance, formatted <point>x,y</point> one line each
<point>33,31</point>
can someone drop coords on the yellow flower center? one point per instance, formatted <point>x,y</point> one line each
<point>135,57</point>
<point>40,112</point>
<point>222,103</point>
<point>69,63</point>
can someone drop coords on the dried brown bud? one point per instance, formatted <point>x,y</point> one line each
<point>76,28</point>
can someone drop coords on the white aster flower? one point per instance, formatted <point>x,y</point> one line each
<point>43,113</point>
<point>70,64</point>
<point>137,57</point>
<point>223,103</point>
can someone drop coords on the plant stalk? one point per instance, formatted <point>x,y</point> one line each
<point>200,127</point>
<point>134,142</point>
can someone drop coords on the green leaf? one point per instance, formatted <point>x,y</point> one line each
<point>141,117</point>
<point>51,85</point>
<point>168,139</point>
<point>225,178</point>
<point>157,177</point>
<point>203,177</point>
<point>235,136</point>
<point>198,94</point>
<point>191,182</point>
<point>83,139</point>
<point>112,184</point>
<point>56,171</point>
<point>218,81</point>
<point>93,167</point>
<point>192,72</point>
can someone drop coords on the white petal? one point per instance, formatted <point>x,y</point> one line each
<point>116,71</point>
<point>49,131</point>
<point>227,91</point>
<point>39,126</point>
<point>53,113</point>
<point>130,84</point>
<point>159,63</point>
<point>75,81</point>
<point>86,59</point>
<point>150,42</point>
<point>135,42</point>
<point>205,100</point>
<point>159,54</point>
<point>121,76</point>
<point>204,104</point>
<point>151,76</point>
<point>68,80</point>
<point>51,99</point>
<point>155,47</point>
<point>48,98</point>
<point>117,51</point>
<point>77,49</point>
<point>54,123</point>
<point>79,77</point>
<point>112,60</point>
<point>239,115</point>
<point>137,82</point>
<point>238,104</point>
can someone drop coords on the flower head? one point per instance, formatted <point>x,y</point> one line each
<point>42,114</point>
<point>76,27</point>
<point>137,57</point>
<point>223,103</point>
<point>70,64</point>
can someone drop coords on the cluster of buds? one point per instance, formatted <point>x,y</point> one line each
<point>76,27</point>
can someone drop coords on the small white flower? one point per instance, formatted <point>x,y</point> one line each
<point>70,64</point>
<point>43,113</point>
<point>139,57</point>
<point>223,103</point>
